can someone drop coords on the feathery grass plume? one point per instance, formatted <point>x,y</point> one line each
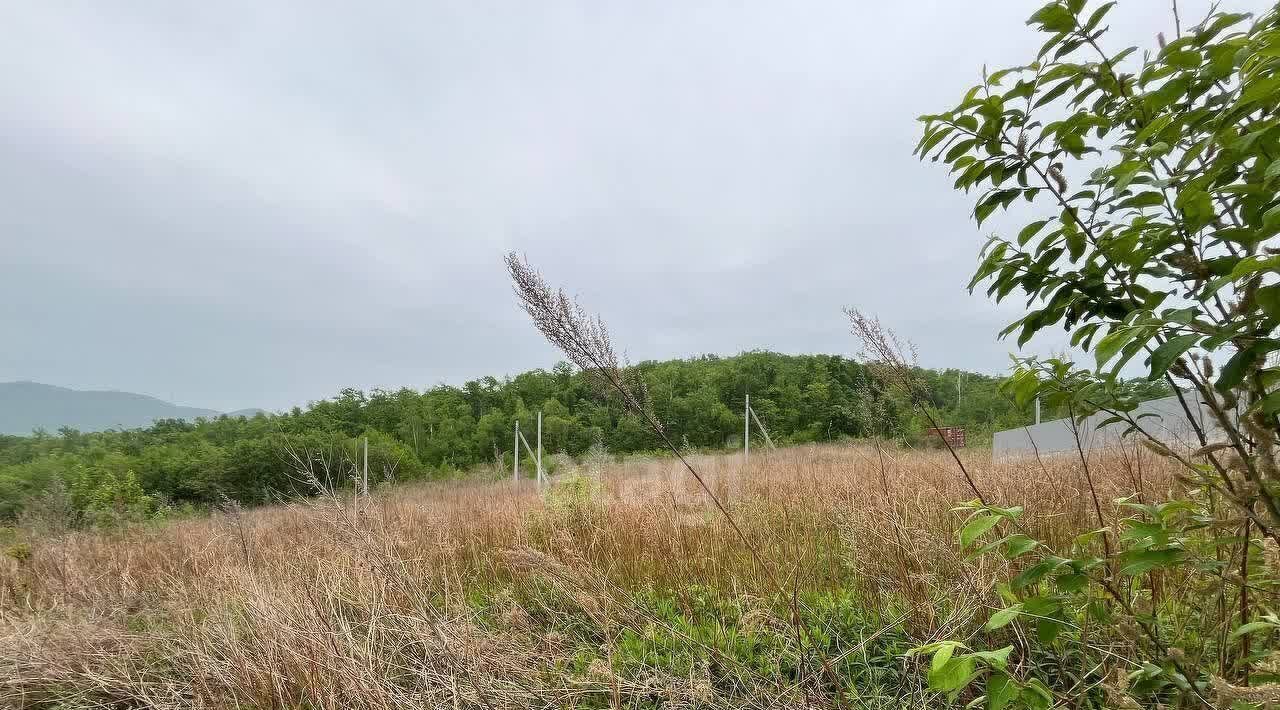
<point>889,358</point>
<point>585,340</point>
<point>235,513</point>
<point>893,360</point>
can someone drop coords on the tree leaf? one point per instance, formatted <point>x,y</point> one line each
<point>1047,630</point>
<point>959,149</point>
<point>1024,386</point>
<point>1144,561</point>
<point>1033,574</point>
<point>1273,170</point>
<point>1097,16</point>
<point>1258,89</point>
<point>1153,128</point>
<point>1268,298</point>
<point>1071,582</point>
<point>1053,18</point>
<point>1233,372</point>
<point>1185,59</point>
<point>1036,695</point>
<point>1252,627</point>
<point>1034,228</point>
<point>984,209</point>
<point>1271,217</point>
<point>1019,545</point>
<point>1163,356</point>
<point>1143,199</point>
<point>997,659</point>
<point>1003,617</point>
<point>1001,690</point>
<point>976,527</point>
<point>1253,265</point>
<point>942,655</point>
<point>1075,243</point>
<point>1111,343</point>
<point>1269,404</point>
<point>952,675</point>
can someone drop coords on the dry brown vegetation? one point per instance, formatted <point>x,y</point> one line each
<point>613,588</point>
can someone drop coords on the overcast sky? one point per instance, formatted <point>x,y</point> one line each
<point>255,203</point>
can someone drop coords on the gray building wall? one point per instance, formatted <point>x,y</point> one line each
<point>1169,425</point>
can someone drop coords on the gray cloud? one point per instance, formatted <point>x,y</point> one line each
<point>256,203</point>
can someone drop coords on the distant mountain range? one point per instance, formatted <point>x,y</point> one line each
<point>27,406</point>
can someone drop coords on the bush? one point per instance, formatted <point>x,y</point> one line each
<point>1156,247</point>
<point>117,500</point>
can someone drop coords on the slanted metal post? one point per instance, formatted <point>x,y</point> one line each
<point>760,425</point>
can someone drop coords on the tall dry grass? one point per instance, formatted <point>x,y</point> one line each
<point>489,595</point>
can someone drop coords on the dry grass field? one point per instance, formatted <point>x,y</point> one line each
<point>613,587</point>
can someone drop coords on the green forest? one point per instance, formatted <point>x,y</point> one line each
<point>446,430</point>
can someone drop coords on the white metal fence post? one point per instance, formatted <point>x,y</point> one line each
<point>746,432</point>
<point>515,452</point>
<point>539,448</point>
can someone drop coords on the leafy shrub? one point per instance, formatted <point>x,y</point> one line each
<point>117,499</point>
<point>1157,182</point>
<point>20,551</point>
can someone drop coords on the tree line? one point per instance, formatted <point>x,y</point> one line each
<point>448,429</point>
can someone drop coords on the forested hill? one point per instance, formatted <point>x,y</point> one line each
<point>800,398</point>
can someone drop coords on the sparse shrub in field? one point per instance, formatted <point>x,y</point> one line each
<point>20,482</point>
<point>20,551</point>
<point>116,499</point>
<point>574,495</point>
<point>558,463</point>
<point>596,458</point>
<point>51,513</point>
